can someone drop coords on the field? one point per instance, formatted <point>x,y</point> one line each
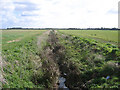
<point>76,59</point>
<point>101,35</point>
<point>18,35</point>
<point>18,46</point>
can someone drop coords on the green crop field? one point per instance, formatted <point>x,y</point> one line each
<point>18,35</point>
<point>101,35</point>
<point>46,58</point>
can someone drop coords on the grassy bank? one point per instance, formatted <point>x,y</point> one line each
<point>20,59</point>
<point>89,63</point>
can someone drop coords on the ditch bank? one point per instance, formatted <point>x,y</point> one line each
<point>59,71</point>
<point>73,63</point>
<point>51,54</point>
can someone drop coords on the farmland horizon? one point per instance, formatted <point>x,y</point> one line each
<point>68,28</point>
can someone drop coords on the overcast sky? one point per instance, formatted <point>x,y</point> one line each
<point>59,13</point>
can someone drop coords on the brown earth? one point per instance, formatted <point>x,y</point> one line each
<point>17,40</point>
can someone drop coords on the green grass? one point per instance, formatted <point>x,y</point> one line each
<point>19,59</point>
<point>9,35</point>
<point>101,35</point>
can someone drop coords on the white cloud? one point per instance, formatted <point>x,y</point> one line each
<point>59,13</point>
<point>7,13</point>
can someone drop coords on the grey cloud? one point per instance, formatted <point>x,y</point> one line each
<point>90,11</point>
<point>28,6</point>
<point>29,15</point>
<point>111,11</point>
<point>57,2</point>
<point>25,6</point>
<point>24,3</point>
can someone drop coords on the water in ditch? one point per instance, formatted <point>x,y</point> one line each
<point>62,83</point>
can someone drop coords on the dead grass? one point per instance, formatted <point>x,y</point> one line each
<point>42,38</point>
<point>2,79</point>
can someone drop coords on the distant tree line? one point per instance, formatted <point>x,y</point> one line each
<point>19,28</point>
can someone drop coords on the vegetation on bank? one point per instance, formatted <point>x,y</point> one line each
<point>91,64</point>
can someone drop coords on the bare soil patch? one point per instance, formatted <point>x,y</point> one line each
<point>17,40</point>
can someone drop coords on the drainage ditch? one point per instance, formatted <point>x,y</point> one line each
<point>59,71</point>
